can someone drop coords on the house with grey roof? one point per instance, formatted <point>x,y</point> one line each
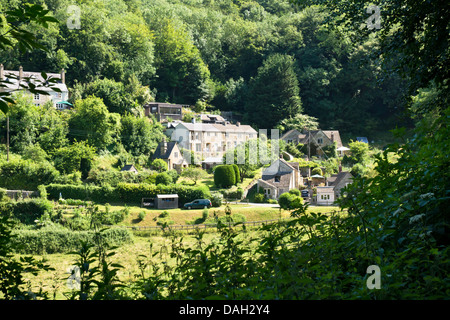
<point>171,154</point>
<point>319,139</point>
<point>280,177</point>
<point>13,80</point>
<point>327,195</point>
<point>210,140</point>
<point>129,168</point>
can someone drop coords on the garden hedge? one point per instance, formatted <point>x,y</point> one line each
<point>224,176</point>
<point>60,240</point>
<point>126,192</point>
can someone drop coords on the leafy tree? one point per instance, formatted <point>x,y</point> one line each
<point>182,75</point>
<point>159,165</point>
<point>140,136</point>
<point>74,157</point>
<point>193,173</point>
<point>298,122</point>
<point>93,122</point>
<point>273,93</point>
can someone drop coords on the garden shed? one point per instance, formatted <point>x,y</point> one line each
<point>166,201</point>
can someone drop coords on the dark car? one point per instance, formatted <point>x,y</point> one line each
<point>198,204</point>
<point>305,193</point>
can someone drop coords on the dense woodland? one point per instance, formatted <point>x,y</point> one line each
<point>285,64</point>
<point>264,60</point>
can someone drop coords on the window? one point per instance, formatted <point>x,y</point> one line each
<point>198,147</point>
<point>277,178</point>
<point>176,155</point>
<point>320,141</point>
<point>36,96</point>
<point>58,95</point>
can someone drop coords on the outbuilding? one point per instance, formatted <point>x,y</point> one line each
<point>166,201</point>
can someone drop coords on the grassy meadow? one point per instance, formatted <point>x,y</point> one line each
<point>151,248</point>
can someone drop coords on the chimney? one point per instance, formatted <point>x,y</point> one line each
<point>63,76</point>
<point>332,137</point>
<point>20,73</point>
<point>163,147</point>
<point>1,71</point>
<point>238,124</point>
<point>193,120</point>
<point>340,167</point>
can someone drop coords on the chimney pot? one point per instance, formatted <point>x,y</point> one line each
<point>63,76</point>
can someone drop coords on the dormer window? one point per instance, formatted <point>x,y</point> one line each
<point>277,178</point>
<point>36,96</point>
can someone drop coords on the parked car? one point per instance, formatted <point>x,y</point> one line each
<point>198,204</point>
<point>305,193</point>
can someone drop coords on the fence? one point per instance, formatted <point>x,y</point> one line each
<point>204,226</point>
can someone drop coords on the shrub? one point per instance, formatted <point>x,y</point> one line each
<point>236,193</point>
<point>260,198</point>
<point>141,215</point>
<point>317,171</point>
<point>224,176</point>
<point>216,199</point>
<point>290,201</point>
<point>26,174</point>
<point>237,174</point>
<point>295,191</point>
<point>61,240</point>
<point>163,178</point>
<point>27,211</point>
<point>164,214</point>
<point>2,193</point>
<point>159,165</point>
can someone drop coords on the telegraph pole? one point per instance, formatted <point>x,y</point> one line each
<point>7,138</point>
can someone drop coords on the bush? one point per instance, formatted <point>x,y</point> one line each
<point>61,240</point>
<point>224,176</point>
<point>290,201</point>
<point>27,211</point>
<point>260,198</point>
<point>2,193</point>
<point>216,199</point>
<point>317,171</point>
<point>141,215</point>
<point>26,174</point>
<point>159,165</point>
<point>236,193</point>
<point>295,192</point>
<point>163,178</point>
<point>237,174</point>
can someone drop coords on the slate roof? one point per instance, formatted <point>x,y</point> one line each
<point>336,178</point>
<point>216,127</point>
<point>128,167</point>
<point>13,83</point>
<point>166,155</point>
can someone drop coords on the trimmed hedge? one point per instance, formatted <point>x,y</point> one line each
<point>237,174</point>
<point>126,192</point>
<point>56,240</point>
<point>83,192</point>
<point>224,176</point>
